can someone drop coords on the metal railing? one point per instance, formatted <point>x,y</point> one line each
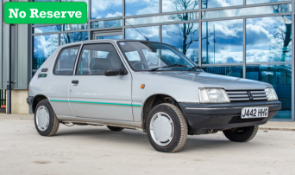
<point>2,98</point>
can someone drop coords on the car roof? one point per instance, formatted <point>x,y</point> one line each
<point>102,41</point>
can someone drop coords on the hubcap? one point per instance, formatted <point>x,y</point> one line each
<point>42,118</point>
<point>162,128</point>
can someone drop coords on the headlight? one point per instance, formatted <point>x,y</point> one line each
<point>271,94</point>
<point>213,96</point>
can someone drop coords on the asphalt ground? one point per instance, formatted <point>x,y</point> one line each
<point>97,150</point>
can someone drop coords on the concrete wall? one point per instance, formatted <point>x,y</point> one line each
<point>18,102</point>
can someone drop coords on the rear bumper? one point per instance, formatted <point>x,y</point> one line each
<point>224,115</point>
<point>30,103</point>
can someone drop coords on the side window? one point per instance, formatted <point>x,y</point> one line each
<point>96,58</point>
<point>66,61</point>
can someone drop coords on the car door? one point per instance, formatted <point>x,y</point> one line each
<point>57,87</point>
<point>94,95</point>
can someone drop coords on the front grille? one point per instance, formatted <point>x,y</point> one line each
<point>238,119</point>
<point>242,96</point>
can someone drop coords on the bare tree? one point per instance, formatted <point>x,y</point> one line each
<point>188,32</point>
<point>283,34</point>
<point>74,37</point>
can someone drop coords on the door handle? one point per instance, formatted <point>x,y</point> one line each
<point>75,82</point>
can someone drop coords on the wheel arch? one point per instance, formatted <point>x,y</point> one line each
<point>36,100</point>
<point>154,100</point>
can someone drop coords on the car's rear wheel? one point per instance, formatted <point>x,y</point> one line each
<point>113,128</point>
<point>46,122</point>
<point>166,128</point>
<point>244,134</point>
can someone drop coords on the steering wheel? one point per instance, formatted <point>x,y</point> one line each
<point>139,66</point>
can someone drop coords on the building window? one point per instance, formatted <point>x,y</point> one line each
<point>110,37</point>
<point>163,19</point>
<point>44,45</point>
<point>280,76</point>
<point>269,39</point>
<point>47,29</point>
<point>184,37</point>
<point>235,71</point>
<point>179,5</point>
<point>273,9</point>
<point>141,33</point>
<point>220,3</point>
<point>222,42</point>
<point>106,24</point>
<point>66,38</point>
<point>140,7</point>
<point>263,1</point>
<point>106,9</point>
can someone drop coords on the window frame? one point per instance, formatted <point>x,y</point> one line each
<point>57,58</point>
<point>80,53</point>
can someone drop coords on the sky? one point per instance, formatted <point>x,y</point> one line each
<point>262,43</point>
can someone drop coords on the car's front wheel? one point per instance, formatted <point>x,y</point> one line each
<point>46,122</point>
<point>241,134</point>
<point>166,128</point>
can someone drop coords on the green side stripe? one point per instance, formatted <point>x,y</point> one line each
<point>59,101</point>
<point>98,103</point>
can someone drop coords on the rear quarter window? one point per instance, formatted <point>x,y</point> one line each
<point>66,61</point>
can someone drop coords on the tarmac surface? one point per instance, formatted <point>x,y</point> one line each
<point>96,150</point>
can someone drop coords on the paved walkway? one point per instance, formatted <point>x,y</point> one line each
<point>82,150</point>
<point>272,125</point>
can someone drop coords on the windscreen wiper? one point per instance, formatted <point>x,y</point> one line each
<point>194,68</point>
<point>172,65</point>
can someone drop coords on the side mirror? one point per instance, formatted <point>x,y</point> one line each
<point>114,72</point>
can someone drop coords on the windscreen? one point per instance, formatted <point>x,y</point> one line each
<point>150,56</point>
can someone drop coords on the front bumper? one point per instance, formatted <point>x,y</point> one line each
<point>224,115</point>
<point>30,103</point>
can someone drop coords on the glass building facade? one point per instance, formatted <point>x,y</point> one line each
<point>250,39</point>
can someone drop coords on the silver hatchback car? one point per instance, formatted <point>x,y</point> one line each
<point>148,86</point>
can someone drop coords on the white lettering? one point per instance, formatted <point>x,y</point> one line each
<point>22,14</point>
<point>78,14</point>
<point>42,14</point>
<point>71,13</point>
<point>56,14</point>
<point>34,12</point>
<point>13,12</point>
<point>49,14</point>
<point>63,14</point>
<point>46,14</point>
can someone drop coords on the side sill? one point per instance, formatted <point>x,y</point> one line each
<point>119,123</point>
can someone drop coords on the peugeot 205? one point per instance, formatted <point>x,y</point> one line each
<point>149,86</point>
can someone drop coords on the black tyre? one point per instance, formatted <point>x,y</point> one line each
<point>241,134</point>
<point>166,128</point>
<point>113,128</point>
<point>46,122</point>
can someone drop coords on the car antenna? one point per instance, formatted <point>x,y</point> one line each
<point>131,26</point>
